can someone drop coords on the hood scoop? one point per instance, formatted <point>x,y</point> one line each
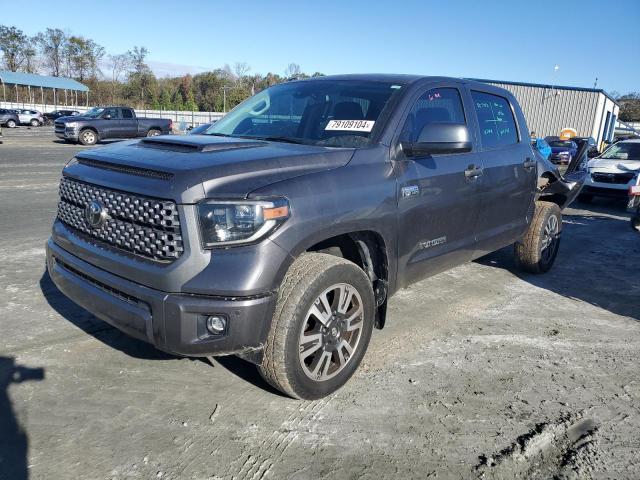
<point>197,144</point>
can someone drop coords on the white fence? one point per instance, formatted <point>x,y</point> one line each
<point>181,119</point>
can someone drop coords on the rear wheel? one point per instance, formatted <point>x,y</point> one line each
<point>153,132</point>
<point>11,123</point>
<point>537,250</point>
<point>321,327</point>
<point>88,137</point>
<point>34,123</point>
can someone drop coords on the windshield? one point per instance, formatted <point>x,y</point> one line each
<point>333,113</point>
<point>94,112</point>
<point>623,151</point>
<point>562,143</point>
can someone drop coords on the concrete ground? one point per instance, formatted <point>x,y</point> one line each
<point>481,372</point>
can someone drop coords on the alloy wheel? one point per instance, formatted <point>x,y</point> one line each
<point>331,332</point>
<point>549,238</point>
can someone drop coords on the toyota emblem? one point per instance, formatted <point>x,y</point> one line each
<point>95,214</point>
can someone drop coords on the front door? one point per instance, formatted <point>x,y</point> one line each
<point>437,196</point>
<point>110,128</point>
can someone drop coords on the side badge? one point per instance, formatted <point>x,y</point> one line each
<point>410,191</point>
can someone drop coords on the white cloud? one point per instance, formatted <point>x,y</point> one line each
<point>167,69</point>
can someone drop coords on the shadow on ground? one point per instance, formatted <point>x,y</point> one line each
<point>590,267</point>
<point>135,348</point>
<point>14,442</point>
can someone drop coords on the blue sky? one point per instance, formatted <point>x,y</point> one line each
<point>505,40</point>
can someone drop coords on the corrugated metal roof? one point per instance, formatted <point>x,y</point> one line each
<point>45,81</point>
<point>539,85</point>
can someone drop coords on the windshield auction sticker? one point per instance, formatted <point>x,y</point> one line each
<point>351,125</point>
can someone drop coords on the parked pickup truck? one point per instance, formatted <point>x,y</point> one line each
<point>281,233</point>
<point>102,123</point>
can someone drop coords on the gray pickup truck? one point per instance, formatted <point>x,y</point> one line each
<point>281,232</point>
<point>103,123</point>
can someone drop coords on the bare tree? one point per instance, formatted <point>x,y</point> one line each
<point>293,70</point>
<point>241,69</point>
<point>52,44</point>
<point>118,65</point>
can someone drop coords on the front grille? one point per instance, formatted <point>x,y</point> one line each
<point>139,225</point>
<point>618,178</point>
<point>59,127</point>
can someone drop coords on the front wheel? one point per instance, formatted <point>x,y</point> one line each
<point>537,250</point>
<point>88,137</point>
<point>635,221</point>
<point>11,124</point>
<point>321,327</point>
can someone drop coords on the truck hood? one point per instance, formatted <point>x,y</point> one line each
<point>190,168</point>
<point>612,165</point>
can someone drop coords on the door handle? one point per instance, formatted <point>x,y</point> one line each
<point>529,164</point>
<point>473,171</point>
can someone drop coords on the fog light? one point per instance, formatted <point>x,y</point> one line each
<point>216,324</point>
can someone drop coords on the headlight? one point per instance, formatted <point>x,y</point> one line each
<point>225,223</point>
<point>71,124</point>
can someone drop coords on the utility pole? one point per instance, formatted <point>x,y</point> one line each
<point>224,98</point>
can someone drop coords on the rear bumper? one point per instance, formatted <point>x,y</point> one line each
<point>175,323</point>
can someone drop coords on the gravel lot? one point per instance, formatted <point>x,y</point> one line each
<point>481,372</point>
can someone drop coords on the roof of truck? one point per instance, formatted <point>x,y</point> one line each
<point>385,77</point>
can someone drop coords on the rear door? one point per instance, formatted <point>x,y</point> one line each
<point>437,201</point>
<point>128,124</point>
<point>507,187</point>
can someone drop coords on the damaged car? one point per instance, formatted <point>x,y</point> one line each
<point>281,232</point>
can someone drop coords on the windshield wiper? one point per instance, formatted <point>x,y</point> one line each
<point>278,139</point>
<point>219,134</point>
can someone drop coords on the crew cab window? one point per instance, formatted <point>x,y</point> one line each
<point>495,120</point>
<point>126,113</point>
<point>111,111</point>
<point>439,105</point>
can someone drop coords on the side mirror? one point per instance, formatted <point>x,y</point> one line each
<point>107,117</point>
<point>439,138</point>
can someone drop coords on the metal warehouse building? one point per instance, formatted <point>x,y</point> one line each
<point>550,108</point>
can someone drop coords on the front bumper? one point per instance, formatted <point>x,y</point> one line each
<point>67,134</point>
<point>172,322</point>
<point>614,190</point>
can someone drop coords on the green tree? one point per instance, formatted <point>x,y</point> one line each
<point>82,57</point>
<point>191,105</point>
<point>13,43</point>
<point>52,44</point>
<point>630,107</point>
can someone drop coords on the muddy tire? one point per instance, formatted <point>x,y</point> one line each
<point>88,137</point>
<point>321,327</point>
<point>538,248</point>
<point>153,132</point>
